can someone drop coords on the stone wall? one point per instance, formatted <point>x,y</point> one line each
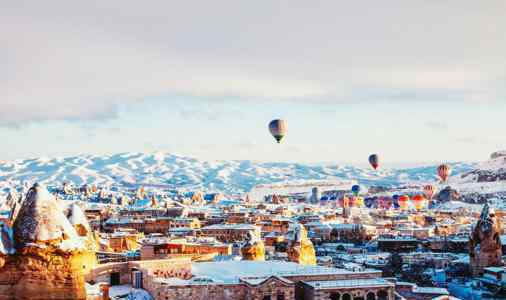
<point>197,292</point>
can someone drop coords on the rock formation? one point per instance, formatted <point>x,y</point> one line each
<point>448,194</point>
<point>253,248</point>
<point>44,257</point>
<point>484,243</point>
<point>301,249</point>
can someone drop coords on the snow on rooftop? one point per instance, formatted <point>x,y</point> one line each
<point>352,283</point>
<point>231,271</point>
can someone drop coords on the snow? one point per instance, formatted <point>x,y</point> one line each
<point>41,219</point>
<point>119,292</point>
<point>231,271</point>
<point>166,170</point>
<point>77,217</point>
<point>7,240</point>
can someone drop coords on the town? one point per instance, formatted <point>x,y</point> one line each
<point>350,243</point>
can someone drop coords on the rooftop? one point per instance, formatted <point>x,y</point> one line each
<point>232,271</point>
<point>376,282</point>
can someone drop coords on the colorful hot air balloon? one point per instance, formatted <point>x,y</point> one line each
<point>352,201</point>
<point>278,129</point>
<point>355,189</point>
<point>379,202</point>
<point>344,202</point>
<point>444,171</point>
<point>418,202</point>
<point>359,202</point>
<point>429,191</point>
<point>403,202</point>
<point>395,201</point>
<point>369,202</point>
<point>387,202</point>
<point>374,161</point>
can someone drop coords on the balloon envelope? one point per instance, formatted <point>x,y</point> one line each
<point>374,161</point>
<point>278,129</point>
<point>429,190</point>
<point>444,171</point>
<point>418,201</point>
<point>355,189</point>
<point>403,202</point>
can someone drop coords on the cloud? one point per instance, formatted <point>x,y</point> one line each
<point>68,61</point>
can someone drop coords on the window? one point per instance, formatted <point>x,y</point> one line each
<point>346,297</point>
<point>280,296</point>
<point>371,296</point>
<point>334,296</point>
<point>268,297</point>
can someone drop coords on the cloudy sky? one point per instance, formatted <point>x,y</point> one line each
<point>417,81</point>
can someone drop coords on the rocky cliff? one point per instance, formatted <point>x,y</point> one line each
<point>43,255</point>
<point>300,249</point>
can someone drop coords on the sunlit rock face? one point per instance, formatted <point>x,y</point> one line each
<point>301,249</point>
<point>44,257</point>
<point>484,243</point>
<point>253,248</point>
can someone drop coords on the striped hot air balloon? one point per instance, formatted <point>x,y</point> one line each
<point>278,129</point>
<point>444,171</point>
<point>403,202</point>
<point>374,161</point>
<point>418,202</point>
<point>429,191</point>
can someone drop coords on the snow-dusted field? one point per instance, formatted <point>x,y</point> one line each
<point>165,170</point>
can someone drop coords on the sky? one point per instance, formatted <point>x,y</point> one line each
<point>415,81</point>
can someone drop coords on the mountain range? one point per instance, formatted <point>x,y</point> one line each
<point>171,171</point>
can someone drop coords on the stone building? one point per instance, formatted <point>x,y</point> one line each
<point>230,233</point>
<point>254,280</point>
<point>351,289</point>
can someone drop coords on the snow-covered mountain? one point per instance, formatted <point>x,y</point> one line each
<point>172,171</point>
<point>487,177</point>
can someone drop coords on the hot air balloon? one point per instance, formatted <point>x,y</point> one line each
<point>355,189</point>
<point>278,129</point>
<point>418,201</point>
<point>429,191</point>
<point>403,202</point>
<point>395,201</point>
<point>374,161</point>
<point>352,200</point>
<point>387,202</point>
<point>444,171</point>
<point>379,202</point>
<point>359,202</point>
<point>344,202</point>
